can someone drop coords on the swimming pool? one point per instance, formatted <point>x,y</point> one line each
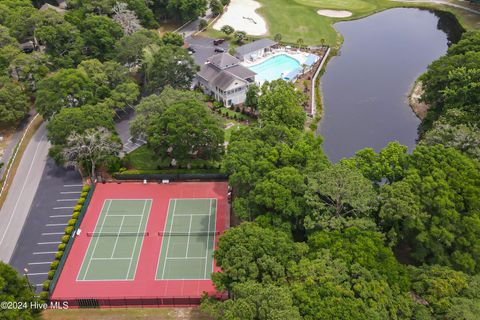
<point>281,66</point>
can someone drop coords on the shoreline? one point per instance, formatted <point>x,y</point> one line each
<point>418,107</point>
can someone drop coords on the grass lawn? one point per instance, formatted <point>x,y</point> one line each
<point>125,314</point>
<point>298,19</point>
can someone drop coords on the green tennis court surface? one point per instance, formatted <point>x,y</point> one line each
<point>116,241</point>
<point>189,236</point>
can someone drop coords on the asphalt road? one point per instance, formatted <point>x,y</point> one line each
<point>20,195</point>
<point>204,48</point>
<point>57,194</point>
<point>192,27</point>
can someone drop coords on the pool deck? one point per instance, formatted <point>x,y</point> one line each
<point>298,55</point>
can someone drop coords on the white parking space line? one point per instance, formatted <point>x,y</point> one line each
<point>52,233</point>
<point>55,224</point>
<point>61,216</point>
<point>37,274</point>
<point>50,242</point>
<point>33,263</point>
<point>63,200</point>
<point>72,185</point>
<point>60,208</point>
<point>46,252</point>
<point>70,192</point>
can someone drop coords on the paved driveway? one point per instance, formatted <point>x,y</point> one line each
<point>52,207</point>
<point>204,48</point>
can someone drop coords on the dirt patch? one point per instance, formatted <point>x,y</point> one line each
<point>419,108</point>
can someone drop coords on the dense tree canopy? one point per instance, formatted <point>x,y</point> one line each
<point>14,103</point>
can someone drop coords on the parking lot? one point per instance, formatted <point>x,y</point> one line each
<point>204,48</point>
<point>51,209</point>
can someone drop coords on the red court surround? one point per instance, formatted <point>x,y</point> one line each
<point>144,289</point>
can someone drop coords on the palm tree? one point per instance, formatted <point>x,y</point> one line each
<point>300,43</point>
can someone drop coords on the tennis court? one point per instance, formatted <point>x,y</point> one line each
<point>116,242</point>
<point>188,241</point>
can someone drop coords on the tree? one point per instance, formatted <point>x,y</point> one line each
<point>154,105</point>
<point>100,34</point>
<point>228,30</point>
<point>28,70</point>
<point>186,9</point>
<point>126,18</point>
<point>251,100</point>
<point>339,196</point>
<point>300,43</point>
<point>254,301</point>
<point>252,253</point>
<point>280,103</point>
<point>171,66</point>
<point>90,149</point>
<point>65,89</point>
<point>6,39</point>
<point>129,49</point>
<point>14,104</point>
<point>277,37</point>
<point>15,288</point>
<point>240,36</point>
<point>202,24</point>
<point>143,12</point>
<point>78,120</point>
<point>216,7</point>
<point>184,131</point>
<point>172,38</point>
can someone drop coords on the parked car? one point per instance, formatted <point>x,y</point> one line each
<point>191,49</point>
<point>218,41</point>
<point>220,50</point>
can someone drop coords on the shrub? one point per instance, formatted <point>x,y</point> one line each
<point>44,295</point>
<point>68,230</point>
<point>59,255</point>
<point>86,188</point>
<point>72,222</point>
<point>84,194</point>
<point>203,24</point>
<point>51,273</point>
<point>46,285</point>
<point>61,246</point>
<point>75,215</point>
<point>77,208</point>
<point>54,265</point>
<point>81,200</point>
<point>65,239</point>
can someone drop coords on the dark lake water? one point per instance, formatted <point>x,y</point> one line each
<point>365,88</point>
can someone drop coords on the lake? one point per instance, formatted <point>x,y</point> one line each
<point>365,88</point>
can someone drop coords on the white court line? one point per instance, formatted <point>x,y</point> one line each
<point>169,237</point>
<point>46,252</point>
<point>189,215</point>
<point>52,233</point>
<point>182,258</point>
<point>32,263</point>
<point>136,239</point>
<point>51,242</point>
<point>37,274</point>
<point>125,215</point>
<point>56,224</point>
<point>96,242</point>
<point>61,216</point>
<point>72,185</point>
<point>60,208</point>
<point>188,237</point>
<point>118,236</point>
<point>208,239</point>
<point>64,200</point>
<point>70,192</point>
<point>111,258</point>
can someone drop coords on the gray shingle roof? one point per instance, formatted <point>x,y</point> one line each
<point>224,79</point>
<point>255,46</point>
<point>241,72</point>
<point>223,60</point>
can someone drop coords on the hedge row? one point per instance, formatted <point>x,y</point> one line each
<point>61,247</point>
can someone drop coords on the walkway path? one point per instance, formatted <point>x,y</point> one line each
<point>22,190</point>
<point>192,27</point>
<point>444,2</point>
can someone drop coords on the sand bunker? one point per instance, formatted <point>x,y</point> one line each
<point>335,13</point>
<point>241,15</point>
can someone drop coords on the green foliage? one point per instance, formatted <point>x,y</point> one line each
<point>143,12</point>
<point>14,104</point>
<point>15,288</point>
<point>173,39</point>
<point>239,36</point>
<point>61,246</point>
<point>54,265</point>
<point>46,285</point>
<point>251,100</point>
<point>65,238</point>
<point>129,49</point>
<point>186,130</point>
<point>86,188</point>
<point>68,230</point>
<point>249,252</point>
<point>58,255</point>
<point>72,222</point>
<point>281,104</point>
<point>50,275</point>
<point>77,208</point>
<point>185,10</point>
<point>216,6</point>
<point>228,30</point>
<point>170,66</point>
<point>100,34</point>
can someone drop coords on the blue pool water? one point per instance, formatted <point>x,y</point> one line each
<point>275,68</point>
